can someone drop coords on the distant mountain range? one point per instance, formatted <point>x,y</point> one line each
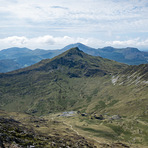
<point>22,57</point>
<point>16,58</point>
<point>129,55</point>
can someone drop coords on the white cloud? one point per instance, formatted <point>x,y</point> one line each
<point>90,11</point>
<point>50,42</point>
<point>13,41</point>
<point>106,20</point>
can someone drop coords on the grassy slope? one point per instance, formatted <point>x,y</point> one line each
<point>74,80</point>
<point>55,85</point>
<point>130,131</point>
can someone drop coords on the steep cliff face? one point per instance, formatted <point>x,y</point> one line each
<point>132,75</point>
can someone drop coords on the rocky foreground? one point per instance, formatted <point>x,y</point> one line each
<point>15,134</point>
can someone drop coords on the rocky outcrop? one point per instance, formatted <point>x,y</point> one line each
<point>14,134</point>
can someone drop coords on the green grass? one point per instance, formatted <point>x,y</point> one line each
<point>98,133</point>
<point>120,130</point>
<point>72,81</point>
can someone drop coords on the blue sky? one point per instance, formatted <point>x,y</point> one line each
<point>53,24</point>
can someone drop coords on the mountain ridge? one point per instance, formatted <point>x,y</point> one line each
<point>57,84</point>
<point>27,57</point>
<point>61,73</point>
<point>73,57</point>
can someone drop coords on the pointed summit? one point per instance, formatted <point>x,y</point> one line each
<point>84,48</point>
<point>74,51</point>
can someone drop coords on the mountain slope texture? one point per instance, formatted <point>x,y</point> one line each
<point>75,99</point>
<point>76,81</point>
<point>23,57</point>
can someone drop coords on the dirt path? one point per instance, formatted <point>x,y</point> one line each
<point>71,127</point>
<point>79,134</point>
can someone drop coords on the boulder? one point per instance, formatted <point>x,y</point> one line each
<point>115,117</point>
<point>99,117</point>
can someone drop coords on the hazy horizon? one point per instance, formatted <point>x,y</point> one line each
<point>71,44</point>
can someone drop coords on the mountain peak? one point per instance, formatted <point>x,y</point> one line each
<point>82,47</point>
<point>73,51</point>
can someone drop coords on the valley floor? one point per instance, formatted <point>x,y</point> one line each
<point>71,130</point>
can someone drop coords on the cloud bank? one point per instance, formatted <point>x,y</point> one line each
<point>50,42</point>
